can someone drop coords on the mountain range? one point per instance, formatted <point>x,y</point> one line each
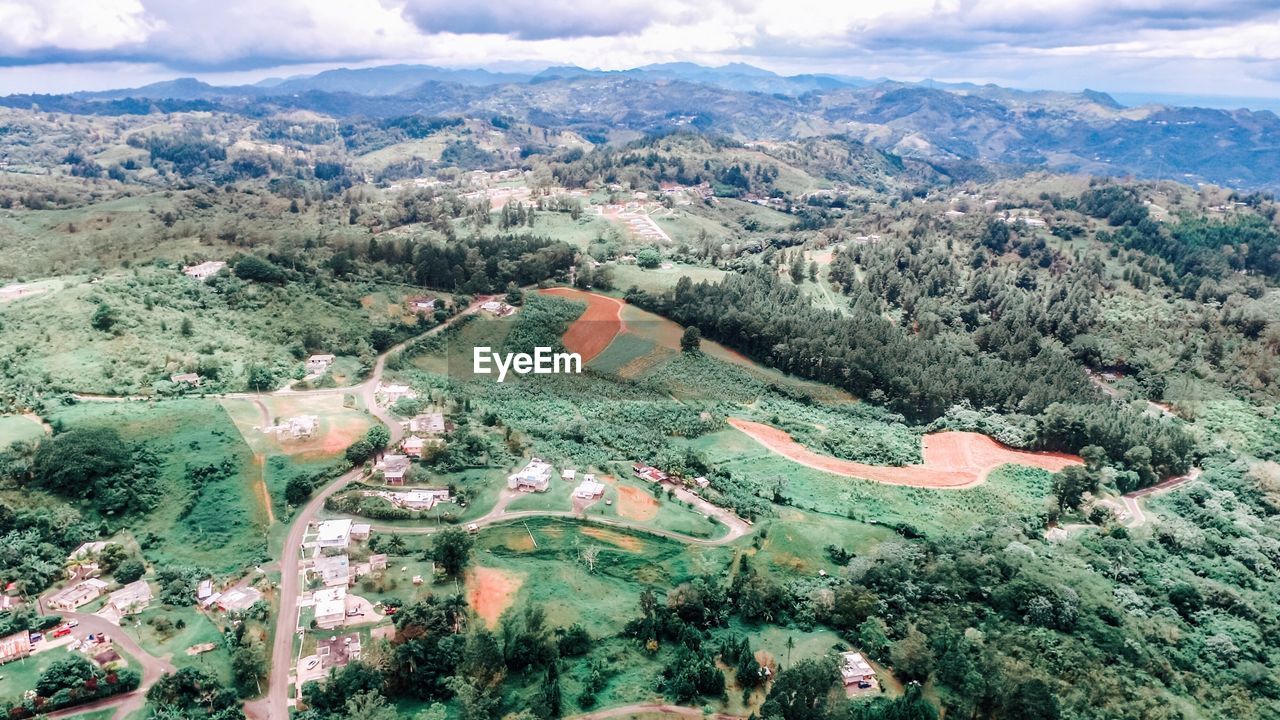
<point>950,125</point>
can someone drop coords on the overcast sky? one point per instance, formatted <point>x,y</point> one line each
<point>1195,47</point>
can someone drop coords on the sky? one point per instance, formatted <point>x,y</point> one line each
<point>1158,47</point>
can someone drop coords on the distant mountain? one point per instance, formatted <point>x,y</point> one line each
<point>955,125</point>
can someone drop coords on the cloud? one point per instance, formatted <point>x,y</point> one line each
<point>1056,42</point>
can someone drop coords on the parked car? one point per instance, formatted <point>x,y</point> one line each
<point>36,637</point>
<point>312,663</point>
<point>61,631</point>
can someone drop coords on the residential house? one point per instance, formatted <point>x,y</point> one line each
<point>9,602</point>
<point>130,599</point>
<point>649,473</point>
<point>421,499</point>
<point>701,482</point>
<point>855,670</point>
<point>412,446</point>
<point>498,308</point>
<point>534,477</point>
<point>302,426</point>
<point>422,304</point>
<point>15,646</point>
<point>83,561</point>
<point>331,607</point>
<point>377,563</point>
<point>318,364</point>
<point>333,536</point>
<point>238,599</point>
<point>204,270</point>
<point>393,468</point>
<point>333,571</point>
<point>589,489</point>
<point>188,378</point>
<point>335,652</point>
<point>204,590</point>
<point>73,596</point>
<point>431,423</point>
<point>361,531</point>
<point>568,475</point>
<point>394,392</point>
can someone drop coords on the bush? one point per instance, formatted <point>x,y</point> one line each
<point>130,570</point>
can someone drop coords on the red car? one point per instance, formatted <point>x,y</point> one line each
<point>61,631</point>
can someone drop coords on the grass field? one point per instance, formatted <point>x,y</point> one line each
<point>19,428</point>
<point>20,675</point>
<point>659,279</point>
<point>226,529</point>
<point>340,424</point>
<point>173,646</point>
<point>1010,495</point>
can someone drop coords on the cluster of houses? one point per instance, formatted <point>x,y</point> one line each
<point>300,427</point>
<point>331,566</point>
<point>424,430</point>
<point>128,600</point>
<point>204,270</point>
<point>652,474</point>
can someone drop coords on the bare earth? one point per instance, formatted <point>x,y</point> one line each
<point>490,591</point>
<point>952,460</point>
<point>592,332</point>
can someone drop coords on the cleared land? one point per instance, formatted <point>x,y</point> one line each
<point>951,459</point>
<point>592,332</point>
<point>490,591</point>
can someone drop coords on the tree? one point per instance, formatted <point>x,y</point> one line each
<point>185,328</point>
<point>1071,483</point>
<point>70,672</point>
<point>129,571</point>
<point>298,489</point>
<point>254,268</point>
<point>648,258</point>
<point>248,665</point>
<point>104,318</point>
<point>910,655</point>
<point>691,339</point>
<point>368,706</point>
<point>260,378</point>
<point>452,549</point>
<point>359,451</point>
<point>378,436</point>
<point>802,692</point>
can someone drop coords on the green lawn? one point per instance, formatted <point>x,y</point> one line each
<point>173,645</point>
<point>227,527</point>
<point>19,428</point>
<point>20,675</point>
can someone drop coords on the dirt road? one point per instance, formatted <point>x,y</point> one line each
<point>638,709</point>
<point>952,460</point>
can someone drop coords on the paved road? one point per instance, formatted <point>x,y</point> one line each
<point>276,704</point>
<point>1137,516</point>
<point>151,667</point>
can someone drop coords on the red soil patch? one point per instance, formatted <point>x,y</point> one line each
<point>633,502</point>
<point>626,542</point>
<point>591,333</point>
<point>490,591</point>
<point>951,459</point>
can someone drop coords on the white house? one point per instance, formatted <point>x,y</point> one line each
<point>317,364</point>
<point>431,423</point>
<point>395,392</point>
<point>589,489</point>
<point>855,670</point>
<point>331,606</point>
<point>333,571</point>
<point>238,599</point>
<point>393,468</point>
<point>420,499</point>
<point>132,598</point>
<point>534,477</point>
<point>73,596</point>
<point>333,535</point>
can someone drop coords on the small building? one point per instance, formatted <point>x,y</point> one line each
<point>333,536</point>
<point>497,308</point>
<point>361,531</point>
<point>431,423</point>
<point>238,599</point>
<point>413,446</point>
<point>204,590</point>
<point>589,489</point>
<point>331,607</point>
<point>393,468</point>
<point>568,475</point>
<point>422,304</point>
<point>73,596</point>
<point>649,473</point>
<point>204,270</point>
<point>377,563</point>
<point>333,571</point>
<point>302,426</point>
<point>192,379</point>
<point>421,499</point>
<point>855,670</point>
<point>395,392</point>
<point>318,364</point>
<point>15,646</point>
<point>534,477</point>
<point>336,652</point>
<point>130,599</point>
<point>701,482</point>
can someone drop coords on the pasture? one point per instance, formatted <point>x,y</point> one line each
<point>221,525</point>
<point>19,428</point>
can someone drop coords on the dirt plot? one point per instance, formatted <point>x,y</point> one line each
<point>591,333</point>
<point>633,502</point>
<point>951,459</point>
<point>490,591</point>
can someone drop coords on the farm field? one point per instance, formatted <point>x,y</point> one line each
<point>592,332</point>
<point>340,422</point>
<point>1010,495</point>
<point>951,459</point>
<point>661,278</point>
<point>225,528</point>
